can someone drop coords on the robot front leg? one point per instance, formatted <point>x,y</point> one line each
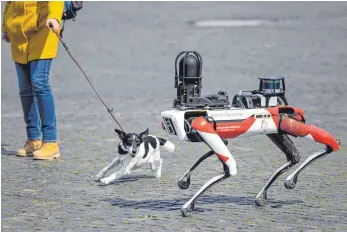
<point>184,180</point>
<point>216,143</point>
<point>293,157</point>
<point>218,146</point>
<point>188,207</point>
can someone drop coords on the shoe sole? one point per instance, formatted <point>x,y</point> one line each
<point>25,155</point>
<point>54,156</point>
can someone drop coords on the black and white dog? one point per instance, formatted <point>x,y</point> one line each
<point>143,149</point>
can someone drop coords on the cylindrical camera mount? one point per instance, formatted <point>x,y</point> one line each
<point>188,76</point>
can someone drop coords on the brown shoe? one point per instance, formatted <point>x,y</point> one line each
<point>29,147</point>
<point>48,151</point>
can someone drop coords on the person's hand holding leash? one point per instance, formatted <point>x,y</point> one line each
<point>53,23</point>
<point>6,37</point>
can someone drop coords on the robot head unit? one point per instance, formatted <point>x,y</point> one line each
<point>188,81</point>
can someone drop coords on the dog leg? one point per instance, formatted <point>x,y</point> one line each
<point>102,173</point>
<point>124,171</point>
<point>152,166</point>
<point>151,163</point>
<point>117,175</point>
<point>158,164</point>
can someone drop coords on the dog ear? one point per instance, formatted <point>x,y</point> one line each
<point>120,133</point>
<point>144,134</point>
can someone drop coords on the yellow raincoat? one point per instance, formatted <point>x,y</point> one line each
<point>25,23</point>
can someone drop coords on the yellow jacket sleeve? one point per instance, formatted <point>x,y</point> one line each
<point>55,10</point>
<point>3,18</point>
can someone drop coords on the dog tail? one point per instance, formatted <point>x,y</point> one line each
<point>169,146</point>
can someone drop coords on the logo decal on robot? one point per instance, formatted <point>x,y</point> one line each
<point>226,114</point>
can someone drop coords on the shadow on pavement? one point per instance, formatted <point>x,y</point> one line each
<point>4,151</point>
<point>176,204</point>
<point>128,179</point>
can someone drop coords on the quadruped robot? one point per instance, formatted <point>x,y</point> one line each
<point>212,119</point>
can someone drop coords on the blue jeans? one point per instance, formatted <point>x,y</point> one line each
<point>37,100</point>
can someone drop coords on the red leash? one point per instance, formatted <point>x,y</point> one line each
<point>67,49</point>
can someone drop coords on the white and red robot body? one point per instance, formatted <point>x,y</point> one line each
<point>214,127</point>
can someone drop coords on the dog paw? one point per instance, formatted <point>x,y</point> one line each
<point>158,176</point>
<point>97,178</point>
<point>104,181</point>
<point>102,184</point>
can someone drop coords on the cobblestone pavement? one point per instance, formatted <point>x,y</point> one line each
<point>128,50</point>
